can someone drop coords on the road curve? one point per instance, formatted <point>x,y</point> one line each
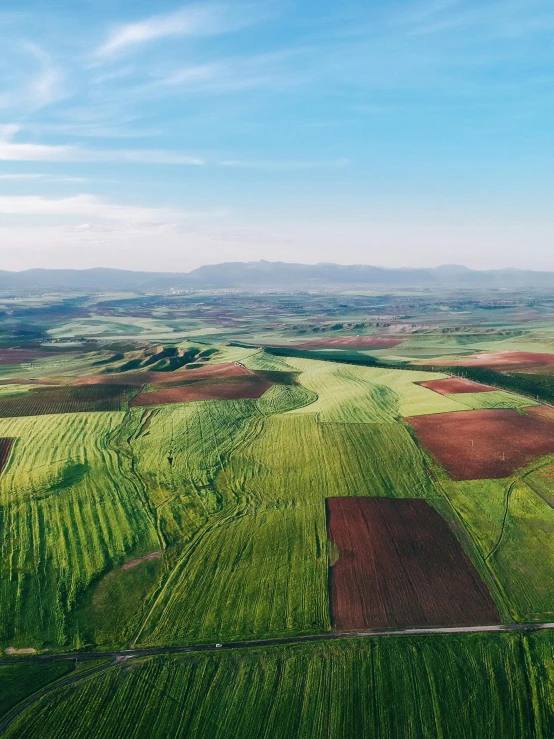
<point>255,643</point>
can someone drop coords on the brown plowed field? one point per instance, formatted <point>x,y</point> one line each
<point>6,446</point>
<point>516,361</point>
<point>486,444</point>
<point>17,356</point>
<point>42,401</point>
<point>225,369</point>
<point>359,342</point>
<point>237,389</point>
<point>400,566</point>
<point>454,385</point>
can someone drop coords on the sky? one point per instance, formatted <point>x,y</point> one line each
<point>162,136</point>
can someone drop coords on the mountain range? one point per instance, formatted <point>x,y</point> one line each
<point>274,275</point>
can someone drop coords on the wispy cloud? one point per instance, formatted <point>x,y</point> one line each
<point>284,165</point>
<point>11,151</point>
<point>200,19</point>
<point>84,205</point>
<point>47,85</point>
<point>37,176</point>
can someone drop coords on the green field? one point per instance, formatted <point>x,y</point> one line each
<point>205,522</point>
<point>497,685</point>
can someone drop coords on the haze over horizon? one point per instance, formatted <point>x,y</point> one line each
<point>407,134</point>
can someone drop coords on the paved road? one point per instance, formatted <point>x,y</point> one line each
<point>254,643</point>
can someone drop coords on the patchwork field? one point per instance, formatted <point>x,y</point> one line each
<point>518,361</point>
<point>131,518</point>
<point>397,564</point>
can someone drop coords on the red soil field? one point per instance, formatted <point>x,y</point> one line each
<point>226,390</point>
<point>517,361</point>
<point>400,566</point>
<point>486,444</point>
<point>225,369</point>
<point>361,342</point>
<point>6,446</point>
<point>455,385</point>
<point>16,356</point>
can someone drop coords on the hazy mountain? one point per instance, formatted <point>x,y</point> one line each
<point>276,275</point>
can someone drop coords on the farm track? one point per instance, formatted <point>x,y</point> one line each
<point>277,641</point>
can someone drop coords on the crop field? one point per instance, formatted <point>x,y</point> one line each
<point>511,522</point>
<point>40,401</point>
<point>240,388</point>
<point>19,356</point>
<point>497,684</point>
<point>398,565</point>
<point>494,399</point>
<point>456,385</point>
<point>133,518</point>
<point>362,342</point>
<point>517,361</point>
<point>484,444</point>
<point>215,371</point>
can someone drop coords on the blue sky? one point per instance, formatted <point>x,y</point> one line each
<point>166,135</point>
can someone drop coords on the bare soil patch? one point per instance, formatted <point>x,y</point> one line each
<point>25,650</point>
<point>520,361</point>
<point>359,342</point>
<point>233,389</point>
<point>400,566</point>
<point>6,446</point>
<point>18,356</point>
<point>135,562</point>
<point>454,385</point>
<point>485,444</point>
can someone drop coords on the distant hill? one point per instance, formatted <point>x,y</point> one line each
<point>273,275</point>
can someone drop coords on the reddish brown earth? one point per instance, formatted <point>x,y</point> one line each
<point>454,385</point>
<point>225,369</point>
<point>517,361</point>
<point>16,356</point>
<point>400,566</point>
<point>6,446</point>
<point>237,389</point>
<point>485,444</point>
<point>360,342</point>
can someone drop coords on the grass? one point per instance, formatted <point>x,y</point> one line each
<point>347,393</point>
<point>497,686</point>
<point>511,522</point>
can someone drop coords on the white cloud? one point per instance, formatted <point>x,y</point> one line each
<point>84,205</point>
<point>15,152</point>
<point>46,86</point>
<point>200,19</point>
<point>285,165</point>
<point>101,211</point>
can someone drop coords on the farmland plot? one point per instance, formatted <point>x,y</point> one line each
<point>494,685</point>
<point>485,444</point>
<point>398,565</point>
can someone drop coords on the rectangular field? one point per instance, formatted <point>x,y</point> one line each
<point>399,565</point>
<point>455,385</point>
<point>485,444</point>
<point>232,389</point>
